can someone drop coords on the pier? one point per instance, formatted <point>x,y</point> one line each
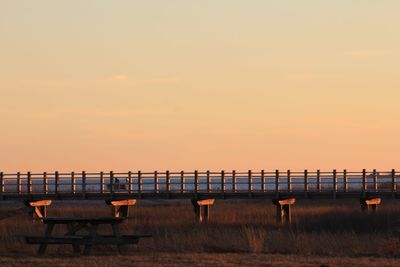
<point>199,185</point>
<point>202,187</point>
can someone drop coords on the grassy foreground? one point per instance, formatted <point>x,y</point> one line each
<point>240,233</point>
<point>200,259</point>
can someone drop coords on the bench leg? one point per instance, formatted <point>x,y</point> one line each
<point>42,247</point>
<point>92,234</point>
<point>76,248</point>
<point>72,229</point>
<point>118,235</point>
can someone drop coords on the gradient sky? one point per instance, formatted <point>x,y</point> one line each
<point>156,85</point>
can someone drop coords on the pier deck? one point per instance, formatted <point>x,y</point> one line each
<point>200,185</point>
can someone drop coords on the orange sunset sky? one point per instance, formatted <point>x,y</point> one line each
<point>184,85</point>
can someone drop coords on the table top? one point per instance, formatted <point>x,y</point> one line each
<point>93,220</point>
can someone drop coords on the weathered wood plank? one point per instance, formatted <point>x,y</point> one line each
<point>286,201</point>
<point>99,220</point>
<point>206,202</point>
<point>46,202</point>
<point>372,201</point>
<point>52,239</point>
<point>125,202</point>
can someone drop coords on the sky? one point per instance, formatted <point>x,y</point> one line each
<point>211,84</point>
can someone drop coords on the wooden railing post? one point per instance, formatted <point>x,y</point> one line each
<point>208,181</point>
<point>1,184</point>
<point>29,182</point>
<point>346,184</point>
<point>167,181</point>
<point>262,181</point>
<point>375,180</point>
<point>334,183</point>
<point>140,182</point>
<point>394,183</point>
<point>19,184</point>
<point>130,182</point>
<point>112,184</point>
<point>250,177</point>
<point>364,182</point>
<point>45,183</point>
<point>56,182</point>
<point>223,182</point>
<point>83,184</point>
<point>196,181</point>
<point>102,182</point>
<point>277,183</point>
<point>73,183</point>
<point>289,181</point>
<point>156,181</point>
<point>306,183</point>
<point>234,181</point>
<point>182,182</point>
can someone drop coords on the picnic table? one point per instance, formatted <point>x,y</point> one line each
<point>90,238</point>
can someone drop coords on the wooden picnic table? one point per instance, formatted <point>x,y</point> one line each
<point>90,225</point>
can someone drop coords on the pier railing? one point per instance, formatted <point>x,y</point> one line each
<point>183,184</point>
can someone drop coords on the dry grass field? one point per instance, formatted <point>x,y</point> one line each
<point>240,233</point>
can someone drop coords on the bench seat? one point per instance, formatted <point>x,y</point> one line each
<point>99,239</point>
<point>53,239</point>
<point>87,241</point>
<point>113,240</point>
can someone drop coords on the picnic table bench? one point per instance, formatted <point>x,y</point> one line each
<point>90,225</point>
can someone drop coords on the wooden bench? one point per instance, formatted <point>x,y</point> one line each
<point>201,209</point>
<point>38,209</point>
<point>370,204</point>
<point>120,208</point>
<point>283,211</point>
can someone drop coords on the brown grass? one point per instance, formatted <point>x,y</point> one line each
<point>200,259</point>
<point>320,229</point>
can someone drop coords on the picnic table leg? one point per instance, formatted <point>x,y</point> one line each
<point>75,227</point>
<point>92,235</point>
<point>118,236</point>
<point>43,246</point>
<point>71,231</point>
